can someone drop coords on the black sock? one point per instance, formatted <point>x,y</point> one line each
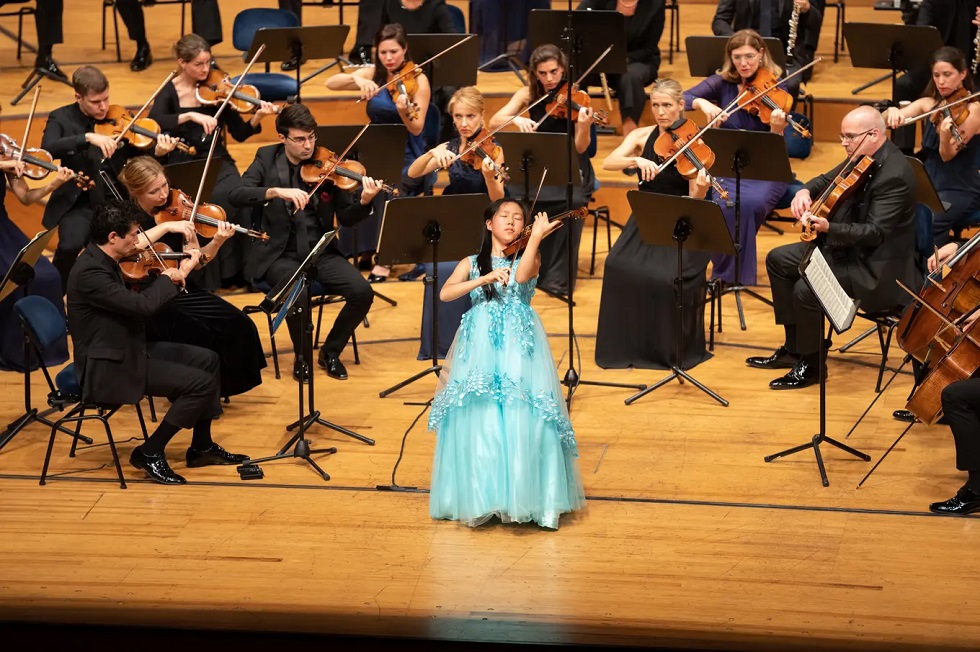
<point>160,438</point>
<point>790,343</point>
<point>44,52</point>
<point>201,440</point>
<point>973,482</point>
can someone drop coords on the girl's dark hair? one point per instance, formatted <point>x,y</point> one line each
<point>483,259</point>
<point>393,32</point>
<point>954,57</point>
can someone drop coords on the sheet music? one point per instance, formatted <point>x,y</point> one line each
<point>837,305</point>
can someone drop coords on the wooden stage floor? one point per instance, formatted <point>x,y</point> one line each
<point>689,539</point>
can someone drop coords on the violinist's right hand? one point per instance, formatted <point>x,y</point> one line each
<point>442,156</point>
<point>175,275</point>
<point>207,122</point>
<point>801,203</point>
<point>711,111</point>
<point>367,87</point>
<point>945,253</point>
<point>107,144</point>
<point>526,125</point>
<point>893,117</point>
<point>297,197</point>
<point>646,168</point>
<point>499,275</point>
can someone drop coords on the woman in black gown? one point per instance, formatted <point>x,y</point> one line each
<point>195,317</point>
<point>636,312</point>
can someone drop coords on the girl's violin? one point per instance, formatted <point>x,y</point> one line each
<point>38,163</point>
<point>142,265</point>
<point>772,97</point>
<point>695,158</point>
<point>206,220</point>
<point>958,114</point>
<point>848,180</point>
<point>346,174</point>
<point>520,243</point>
<point>142,134</point>
<point>217,87</point>
<point>558,106</point>
<point>487,148</point>
<point>405,81</point>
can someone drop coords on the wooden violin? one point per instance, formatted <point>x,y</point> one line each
<point>852,175</point>
<point>218,86</point>
<point>142,133</point>
<point>207,218</point>
<point>478,150</point>
<point>695,158</point>
<point>145,263</point>
<point>520,243</point>
<point>958,113</point>
<point>345,174</point>
<point>558,106</point>
<point>768,97</point>
<point>38,163</point>
<point>405,81</point>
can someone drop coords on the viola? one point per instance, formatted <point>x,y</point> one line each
<point>345,174</point>
<point>218,86</point>
<point>854,173</point>
<point>695,158</point>
<point>145,263</point>
<point>486,148</point>
<point>770,97</point>
<point>38,163</point>
<point>520,243</point>
<point>206,220</point>
<point>958,114</point>
<point>558,106</point>
<point>142,134</point>
<point>405,81</point>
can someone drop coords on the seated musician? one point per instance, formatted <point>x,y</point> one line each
<point>869,243</point>
<point>949,150</point>
<point>205,22</point>
<point>273,183</point>
<point>114,362</point>
<point>71,134</point>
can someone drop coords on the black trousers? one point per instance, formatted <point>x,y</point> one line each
<point>48,20</point>
<point>295,6</point>
<point>73,235</point>
<point>368,22</point>
<point>629,88</point>
<point>339,277</point>
<point>205,20</point>
<point>188,376</point>
<point>793,302</point>
<point>961,405</point>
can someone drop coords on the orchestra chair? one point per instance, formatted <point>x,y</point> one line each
<point>884,324</point>
<point>111,4</point>
<point>600,213</point>
<point>20,12</point>
<point>839,44</point>
<point>459,20</point>
<point>272,86</point>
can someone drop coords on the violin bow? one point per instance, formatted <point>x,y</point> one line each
<point>513,262</point>
<point>937,109</point>
<point>697,135</point>
<point>27,127</point>
<point>419,66</point>
<point>234,89</point>
<point>333,166</point>
<point>139,114</point>
<point>575,85</point>
<point>780,82</point>
<point>204,174</point>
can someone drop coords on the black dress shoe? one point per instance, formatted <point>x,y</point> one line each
<point>803,374</point>
<point>417,271</point>
<point>155,466</point>
<point>48,65</point>
<point>301,371</point>
<point>903,415</point>
<point>780,359</point>
<point>335,368</point>
<point>214,455</point>
<point>376,278</point>
<point>964,502</point>
<point>142,60</point>
<point>291,64</point>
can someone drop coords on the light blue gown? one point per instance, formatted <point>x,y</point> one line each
<point>504,443</point>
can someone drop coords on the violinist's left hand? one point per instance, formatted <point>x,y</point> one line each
<point>64,176</point>
<point>370,187</point>
<point>165,145</point>
<point>946,131</point>
<point>266,108</point>
<point>225,231</point>
<point>402,103</point>
<point>585,114</point>
<point>487,168</point>
<point>777,122</point>
<point>702,182</point>
<point>542,226</point>
<point>820,224</point>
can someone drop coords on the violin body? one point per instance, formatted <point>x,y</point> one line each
<point>405,81</point>
<point>219,86</point>
<point>345,174</point>
<point>38,163</point>
<point>146,263</point>
<point>695,158</point>
<point>845,184</point>
<point>520,243</point>
<point>958,114</point>
<point>487,148</point>
<point>558,107</point>
<point>770,97</point>
<point>179,206</point>
<point>141,134</point>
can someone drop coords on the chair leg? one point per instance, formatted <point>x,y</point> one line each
<point>54,431</point>
<point>112,447</point>
<point>153,409</point>
<point>139,415</point>
<point>115,29</point>
<point>595,236</point>
<point>183,17</point>
<point>353,343</point>
<point>272,339</point>
<point>319,320</point>
<point>20,33</point>
<point>670,43</point>
<point>104,8</point>
<point>885,346</point>
<point>47,456</point>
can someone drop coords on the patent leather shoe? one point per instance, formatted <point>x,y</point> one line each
<point>414,273</point>
<point>803,374</point>
<point>903,415</point>
<point>47,64</point>
<point>142,60</point>
<point>212,456</point>
<point>301,371</point>
<point>155,467</point>
<point>335,368</point>
<point>780,359</point>
<point>291,64</point>
<point>376,278</point>
<point>964,502</point>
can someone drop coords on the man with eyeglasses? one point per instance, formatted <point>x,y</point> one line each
<point>295,221</point>
<point>869,243</point>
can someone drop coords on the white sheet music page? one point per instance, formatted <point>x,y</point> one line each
<point>838,306</point>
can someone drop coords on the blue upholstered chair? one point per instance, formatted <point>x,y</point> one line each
<point>272,86</point>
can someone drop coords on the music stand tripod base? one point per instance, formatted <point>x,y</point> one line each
<point>34,79</point>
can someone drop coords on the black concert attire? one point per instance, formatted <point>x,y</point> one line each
<point>957,183</point>
<point>432,17</point>
<point>205,20</point>
<point>166,111</point>
<point>961,407</point>
<point>291,238</point>
<point>49,21</point>
<point>636,312</point>
<point>643,30</point>
<point>870,245</point>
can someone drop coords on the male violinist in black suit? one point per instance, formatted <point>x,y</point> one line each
<point>273,183</point>
<point>869,244</point>
<point>115,364</point>
<point>70,135</point>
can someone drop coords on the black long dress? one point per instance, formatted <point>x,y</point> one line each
<point>636,311</point>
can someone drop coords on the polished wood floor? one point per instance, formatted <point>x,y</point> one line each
<point>689,538</point>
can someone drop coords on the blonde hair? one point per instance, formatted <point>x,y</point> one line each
<point>672,89</point>
<point>139,173</point>
<point>469,96</point>
<point>752,39</point>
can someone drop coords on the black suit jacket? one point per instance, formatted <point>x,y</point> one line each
<point>106,320</point>
<point>872,234</point>
<point>270,169</point>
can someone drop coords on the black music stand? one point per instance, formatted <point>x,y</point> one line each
<point>457,69</point>
<point>704,53</point>
<point>433,230</point>
<point>300,43</point>
<point>34,79</point>
<point>186,176</point>
<point>759,155</point>
<point>839,309</point>
<point>890,47</point>
<point>667,220</point>
<point>292,295</point>
<point>372,150</point>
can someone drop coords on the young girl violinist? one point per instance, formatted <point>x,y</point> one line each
<point>504,443</point>
<point>466,108</point>
<point>949,154</point>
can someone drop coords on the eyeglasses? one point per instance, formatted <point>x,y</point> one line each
<point>303,140</point>
<point>852,137</point>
